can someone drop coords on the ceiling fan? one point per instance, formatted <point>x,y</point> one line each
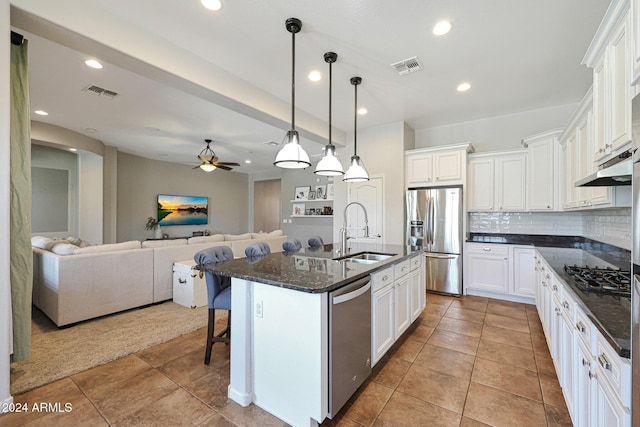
<point>210,160</point>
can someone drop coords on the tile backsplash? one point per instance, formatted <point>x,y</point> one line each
<point>612,226</point>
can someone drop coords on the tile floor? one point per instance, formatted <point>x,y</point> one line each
<point>466,361</point>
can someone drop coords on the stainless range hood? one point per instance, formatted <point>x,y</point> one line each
<point>616,174</point>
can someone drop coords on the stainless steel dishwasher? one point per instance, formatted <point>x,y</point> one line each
<point>349,341</point>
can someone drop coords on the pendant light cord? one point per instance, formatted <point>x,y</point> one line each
<point>293,80</point>
<point>330,98</point>
<point>355,122</point>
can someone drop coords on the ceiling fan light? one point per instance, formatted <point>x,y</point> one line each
<point>292,155</point>
<point>356,171</point>
<point>329,165</point>
<point>207,167</point>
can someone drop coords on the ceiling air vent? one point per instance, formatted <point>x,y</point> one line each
<point>408,66</point>
<point>99,91</point>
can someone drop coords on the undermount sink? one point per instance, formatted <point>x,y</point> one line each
<point>366,257</point>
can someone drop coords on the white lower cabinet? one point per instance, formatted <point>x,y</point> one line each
<point>397,299</point>
<point>500,271</point>
<point>595,380</point>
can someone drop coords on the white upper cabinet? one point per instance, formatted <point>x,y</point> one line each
<point>542,171</point>
<point>635,34</point>
<point>438,166</point>
<point>610,56</point>
<point>497,181</point>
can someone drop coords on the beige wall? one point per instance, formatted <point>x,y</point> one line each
<point>140,180</point>
<point>267,205</point>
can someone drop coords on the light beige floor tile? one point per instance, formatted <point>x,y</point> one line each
<point>463,327</point>
<point>407,350</point>
<point>212,388</point>
<point>501,409</point>
<point>507,354</point>
<point>217,420</point>
<point>137,392</point>
<point>499,321</point>
<point>368,405</point>
<point>190,367</point>
<point>544,364</point>
<point>252,416</point>
<point>468,422</point>
<point>168,351</point>
<point>439,299</point>
<point>551,391</point>
<point>471,303</point>
<point>199,336</point>
<point>506,336</point>
<point>429,320</point>
<point>443,390</point>
<point>65,396</point>
<point>102,379</point>
<point>176,409</point>
<point>444,360</point>
<point>407,411</point>
<point>464,314</point>
<point>453,341</point>
<point>558,417</point>
<point>508,378</point>
<point>435,309</point>
<point>509,311</point>
<point>421,332</point>
<point>392,372</point>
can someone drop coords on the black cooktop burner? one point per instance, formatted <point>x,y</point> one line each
<point>603,280</point>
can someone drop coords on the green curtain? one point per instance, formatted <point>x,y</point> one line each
<point>21,259</point>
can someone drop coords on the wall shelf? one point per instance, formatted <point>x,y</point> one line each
<point>311,200</point>
<point>311,216</point>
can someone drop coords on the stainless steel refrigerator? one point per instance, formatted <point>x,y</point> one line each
<point>434,221</point>
<point>635,255</point>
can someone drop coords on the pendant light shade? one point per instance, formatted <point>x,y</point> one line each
<point>292,155</point>
<point>356,172</point>
<point>329,165</point>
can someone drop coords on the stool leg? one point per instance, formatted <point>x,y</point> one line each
<point>207,354</point>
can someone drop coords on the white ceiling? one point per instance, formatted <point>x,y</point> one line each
<point>518,55</point>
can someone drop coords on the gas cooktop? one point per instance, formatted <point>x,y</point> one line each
<point>602,280</point>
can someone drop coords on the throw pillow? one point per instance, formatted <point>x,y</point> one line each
<point>275,233</point>
<point>206,239</point>
<point>39,241</point>
<point>64,249</point>
<point>232,237</point>
<point>113,247</point>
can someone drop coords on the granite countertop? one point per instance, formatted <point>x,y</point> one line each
<point>610,314</point>
<point>308,270</point>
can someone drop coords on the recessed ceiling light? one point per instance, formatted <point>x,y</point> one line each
<point>362,111</point>
<point>315,76</point>
<point>41,113</point>
<point>247,161</point>
<point>73,149</point>
<point>212,4</point>
<point>463,87</point>
<point>442,28</point>
<point>93,64</point>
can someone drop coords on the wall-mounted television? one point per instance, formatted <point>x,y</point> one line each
<point>182,210</point>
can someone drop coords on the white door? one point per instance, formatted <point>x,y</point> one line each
<point>369,193</point>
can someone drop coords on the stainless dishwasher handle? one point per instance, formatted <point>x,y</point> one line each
<point>351,295</point>
<point>441,256</point>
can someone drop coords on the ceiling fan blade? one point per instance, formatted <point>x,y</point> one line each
<point>227,163</point>
<point>225,168</point>
<point>196,167</point>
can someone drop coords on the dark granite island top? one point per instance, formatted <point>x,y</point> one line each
<point>307,270</point>
<point>610,314</point>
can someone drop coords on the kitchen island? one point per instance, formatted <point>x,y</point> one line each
<point>280,317</point>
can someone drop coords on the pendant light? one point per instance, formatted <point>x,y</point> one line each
<point>356,171</point>
<point>292,155</point>
<point>329,165</point>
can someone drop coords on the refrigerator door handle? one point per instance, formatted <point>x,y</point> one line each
<point>441,256</point>
<point>431,220</point>
<point>427,221</point>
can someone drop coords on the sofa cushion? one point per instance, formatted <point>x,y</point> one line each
<point>51,243</point>
<point>206,239</point>
<point>133,244</point>
<point>275,233</point>
<point>231,237</point>
<point>39,241</point>
<point>64,249</point>
<point>163,243</point>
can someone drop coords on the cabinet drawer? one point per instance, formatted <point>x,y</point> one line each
<point>617,371</point>
<point>382,278</point>
<point>416,261</point>
<point>401,268</point>
<point>488,249</point>
<point>584,328</point>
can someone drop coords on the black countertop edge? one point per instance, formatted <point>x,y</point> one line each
<point>619,257</point>
<point>292,270</point>
<point>610,314</point>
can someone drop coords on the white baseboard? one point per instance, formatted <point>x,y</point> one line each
<point>5,404</point>
<point>243,399</point>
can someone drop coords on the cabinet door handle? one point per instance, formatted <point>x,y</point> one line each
<point>558,311</point>
<point>182,281</point>
<point>565,305</point>
<point>592,376</point>
<point>584,362</point>
<point>602,360</point>
<point>580,327</point>
<point>486,249</point>
<point>505,258</point>
<point>555,287</point>
<point>385,278</point>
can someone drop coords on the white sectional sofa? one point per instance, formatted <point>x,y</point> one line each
<point>71,283</point>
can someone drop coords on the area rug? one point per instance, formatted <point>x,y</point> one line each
<point>57,353</point>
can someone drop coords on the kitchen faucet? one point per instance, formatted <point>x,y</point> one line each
<point>343,231</point>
